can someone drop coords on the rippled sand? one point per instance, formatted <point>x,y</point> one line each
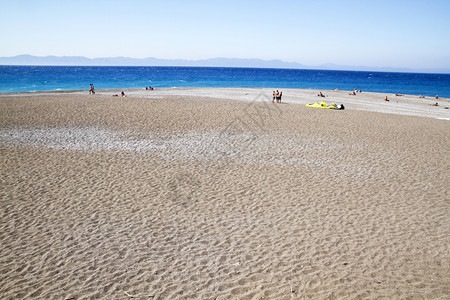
<point>186,194</point>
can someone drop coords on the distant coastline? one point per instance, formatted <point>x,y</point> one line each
<point>30,60</point>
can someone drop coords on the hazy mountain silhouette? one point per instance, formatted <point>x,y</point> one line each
<point>31,60</point>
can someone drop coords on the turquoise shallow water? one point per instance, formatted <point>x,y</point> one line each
<point>52,78</point>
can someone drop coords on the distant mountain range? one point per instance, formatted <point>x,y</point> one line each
<point>26,59</point>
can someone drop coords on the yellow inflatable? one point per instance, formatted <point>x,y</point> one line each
<point>322,104</point>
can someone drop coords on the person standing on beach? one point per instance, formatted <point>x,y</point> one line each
<point>91,91</point>
<point>273,97</point>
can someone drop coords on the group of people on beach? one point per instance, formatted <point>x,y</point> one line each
<point>92,91</point>
<point>276,96</point>
<point>355,90</point>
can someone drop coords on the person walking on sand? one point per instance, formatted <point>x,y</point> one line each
<point>91,91</point>
<point>273,97</point>
<point>279,97</point>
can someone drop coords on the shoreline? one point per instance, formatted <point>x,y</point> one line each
<point>411,105</point>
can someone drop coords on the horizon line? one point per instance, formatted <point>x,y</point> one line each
<point>227,62</point>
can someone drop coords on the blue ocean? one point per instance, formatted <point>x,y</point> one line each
<point>55,78</point>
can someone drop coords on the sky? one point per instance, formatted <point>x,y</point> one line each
<point>378,33</point>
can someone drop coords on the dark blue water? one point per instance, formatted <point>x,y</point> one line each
<point>51,78</point>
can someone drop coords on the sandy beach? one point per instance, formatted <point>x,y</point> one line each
<point>217,193</point>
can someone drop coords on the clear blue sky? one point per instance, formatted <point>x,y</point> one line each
<point>379,33</point>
